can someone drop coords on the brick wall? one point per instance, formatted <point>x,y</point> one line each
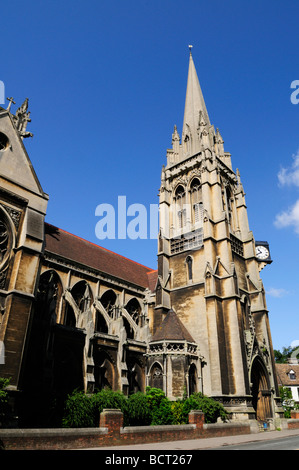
<point>111,432</point>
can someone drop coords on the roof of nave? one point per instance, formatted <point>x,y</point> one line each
<point>81,251</point>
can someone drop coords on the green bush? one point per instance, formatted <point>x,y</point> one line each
<point>159,405</point>
<point>177,411</point>
<point>107,398</point>
<point>138,411</point>
<point>79,411</point>
<point>4,407</point>
<point>83,411</point>
<point>210,407</point>
<point>162,414</point>
<point>154,397</point>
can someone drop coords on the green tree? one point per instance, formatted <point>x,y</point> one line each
<point>281,357</point>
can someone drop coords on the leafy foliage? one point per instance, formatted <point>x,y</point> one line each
<point>177,411</point>
<point>150,408</point>
<point>281,357</point>
<point>287,401</point>
<point>82,410</point>
<point>4,407</point>
<point>210,407</point>
<point>79,411</point>
<point>138,411</point>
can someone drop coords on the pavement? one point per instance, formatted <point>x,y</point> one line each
<point>204,443</point>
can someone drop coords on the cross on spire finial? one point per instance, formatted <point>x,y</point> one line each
<point>11,101</point>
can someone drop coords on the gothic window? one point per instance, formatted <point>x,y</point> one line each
<point>182,218</point>
<point>192,379</point>
<point>180,207</point>
<point>187,144</point>
<point>159,294</point>
<point>189,263</point>
<point>135,376</point>
<point>227,203</point>
<point>49,294</point>
<point>196,202</point>
<point>245,314</point>
<point>157,376</point>
<point>104,370</point>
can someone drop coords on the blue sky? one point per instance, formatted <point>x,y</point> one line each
<point>106,83</point>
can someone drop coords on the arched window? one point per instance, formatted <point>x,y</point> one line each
<point>227,202</point>
<point>189,263</point>
<point>156,376</point>
<point>104,370</point>
<point>135,375</point>
<point>192,376</point>
<point>180,207</point>
<point>196,202</point>
<point>187,144</point>
<point>245,313</point>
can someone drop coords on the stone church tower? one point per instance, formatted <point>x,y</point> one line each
<point>209,275</point>
<point>74,315</point>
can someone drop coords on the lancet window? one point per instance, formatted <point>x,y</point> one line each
<point>189,263</point>
<point>180,203</point>
<point>196,202</point>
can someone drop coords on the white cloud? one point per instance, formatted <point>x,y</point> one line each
<point>289,218</point>
<point>290,176</point>
<point>278,293</point>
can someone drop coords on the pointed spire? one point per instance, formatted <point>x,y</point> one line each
<point>194,104</point>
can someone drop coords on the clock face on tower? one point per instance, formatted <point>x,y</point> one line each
<point>262,252</point>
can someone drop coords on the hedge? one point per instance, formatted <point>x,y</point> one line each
<point>149,408</point>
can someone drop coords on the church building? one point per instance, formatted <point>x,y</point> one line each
<point>74,315</point>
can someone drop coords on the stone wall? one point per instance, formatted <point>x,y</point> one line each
<point>112,433</point>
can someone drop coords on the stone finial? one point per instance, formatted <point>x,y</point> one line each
<point>21,119</point>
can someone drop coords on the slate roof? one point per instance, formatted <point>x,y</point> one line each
<point>282,372</point>
<point>172,329</point>
<point>73,248</point>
